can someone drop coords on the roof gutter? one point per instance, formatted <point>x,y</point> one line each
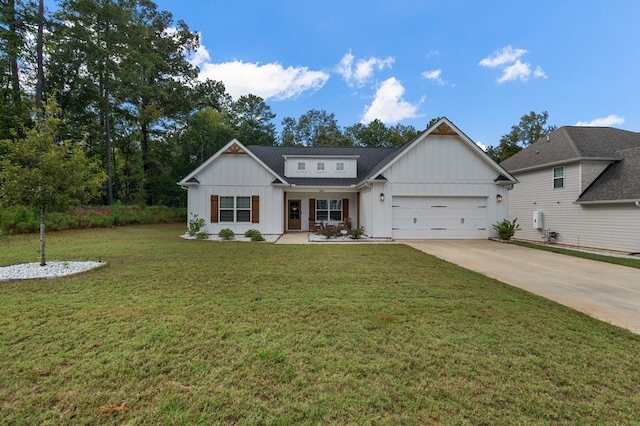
<point>563,162</point>
<point>367,183</point>
<point>627,201</point>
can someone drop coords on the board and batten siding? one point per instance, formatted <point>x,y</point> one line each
<point>237,175</point>
<point>603,226</point>
<point>444,166</point>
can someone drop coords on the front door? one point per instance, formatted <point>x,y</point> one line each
<point>295,224</point>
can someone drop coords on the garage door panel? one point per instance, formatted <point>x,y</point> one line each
<point>439,218</point>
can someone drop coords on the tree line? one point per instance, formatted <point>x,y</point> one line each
<point>125,93</point>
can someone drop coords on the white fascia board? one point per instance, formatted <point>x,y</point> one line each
<point>215,156</point>
<point>465,139</point>
<point>564,163</point>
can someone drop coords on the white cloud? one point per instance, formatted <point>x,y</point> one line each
<point>539,73</point>
<point>264,80</point>
<point>517,71</point>
<point>268,81</point>
<point>363,69</point>
<point>503,56</point>
<point>610,120</point>
<point>434,75</point>
<point>513,68</point>
<point>482,146</point>
<point>200,57</point>
<point>388,105</point>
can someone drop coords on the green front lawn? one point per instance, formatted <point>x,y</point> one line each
<point>186,332</point>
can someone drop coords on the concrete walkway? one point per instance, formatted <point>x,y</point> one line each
<point>608,292</point>
<point>294,238</point>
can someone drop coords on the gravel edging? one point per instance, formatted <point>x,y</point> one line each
<point>53,269</point>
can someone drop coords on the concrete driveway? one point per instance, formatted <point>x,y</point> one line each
<point>608,292</point>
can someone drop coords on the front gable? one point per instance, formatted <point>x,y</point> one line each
<point>443,154</point>
<point>233,164</point>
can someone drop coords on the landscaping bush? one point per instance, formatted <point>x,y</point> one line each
<point>257,237</point>
<point>356,234</point>
<point>506,230</point>
<point>254,234</point>
<point>226,234</point>
<point>195,225</point>
<point>329,230</point>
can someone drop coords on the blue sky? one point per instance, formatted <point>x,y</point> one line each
<point>482,64</point>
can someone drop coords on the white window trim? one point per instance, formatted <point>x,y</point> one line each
<point>329,210</point>
<point>555,178</point>
<point>235,209</point>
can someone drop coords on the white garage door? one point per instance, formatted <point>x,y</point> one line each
<point>440,218</point>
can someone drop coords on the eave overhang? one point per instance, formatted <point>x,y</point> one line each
<point>564,163</point>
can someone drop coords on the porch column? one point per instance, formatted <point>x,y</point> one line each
<point>284,216</point>
<point>358,210</point>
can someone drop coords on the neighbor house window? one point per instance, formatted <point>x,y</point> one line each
<point>302,166</point>
<point>558,177</point>
<point>328,210</point>
<point>235,209</point>
<point>320,167</point>
<point>340,167</point>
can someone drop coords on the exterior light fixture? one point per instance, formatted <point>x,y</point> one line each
<point>498,198</point>
<point>381,196</point>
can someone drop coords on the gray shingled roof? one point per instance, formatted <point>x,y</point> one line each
<point>368,159</point>
<point>620,181</point>
<point>572,143</point>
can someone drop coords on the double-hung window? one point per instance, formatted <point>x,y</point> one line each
<point>235,209</point>
<point>558,177</point>
<point>328,210</point>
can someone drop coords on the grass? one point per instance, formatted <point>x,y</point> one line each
<point>624,261</point>
<point>195,332</point>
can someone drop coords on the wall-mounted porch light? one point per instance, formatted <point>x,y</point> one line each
<point>498,198</point>
<point>381,196</point>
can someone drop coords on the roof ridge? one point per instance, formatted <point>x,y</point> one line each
<point>572,142</point>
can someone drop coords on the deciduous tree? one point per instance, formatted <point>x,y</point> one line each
<point>531,127</point>
<point>45,173</point>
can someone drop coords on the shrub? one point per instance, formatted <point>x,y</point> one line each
<point>506,230</point>
<point>226,234</point>
<point>257,237</point>
<point>254,234</point>
<point>195,225</point>
<point>250,232</point>
<point>202,235</point>
<point>329,230</point>
<point>24,220</point>
<point>356,234</point>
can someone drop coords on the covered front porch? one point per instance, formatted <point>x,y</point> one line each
<point>306,209</point>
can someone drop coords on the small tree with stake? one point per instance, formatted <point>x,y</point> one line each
<point>46,174</point>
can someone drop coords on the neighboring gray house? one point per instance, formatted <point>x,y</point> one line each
<point>582,183</point>
<point>438,185</point>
